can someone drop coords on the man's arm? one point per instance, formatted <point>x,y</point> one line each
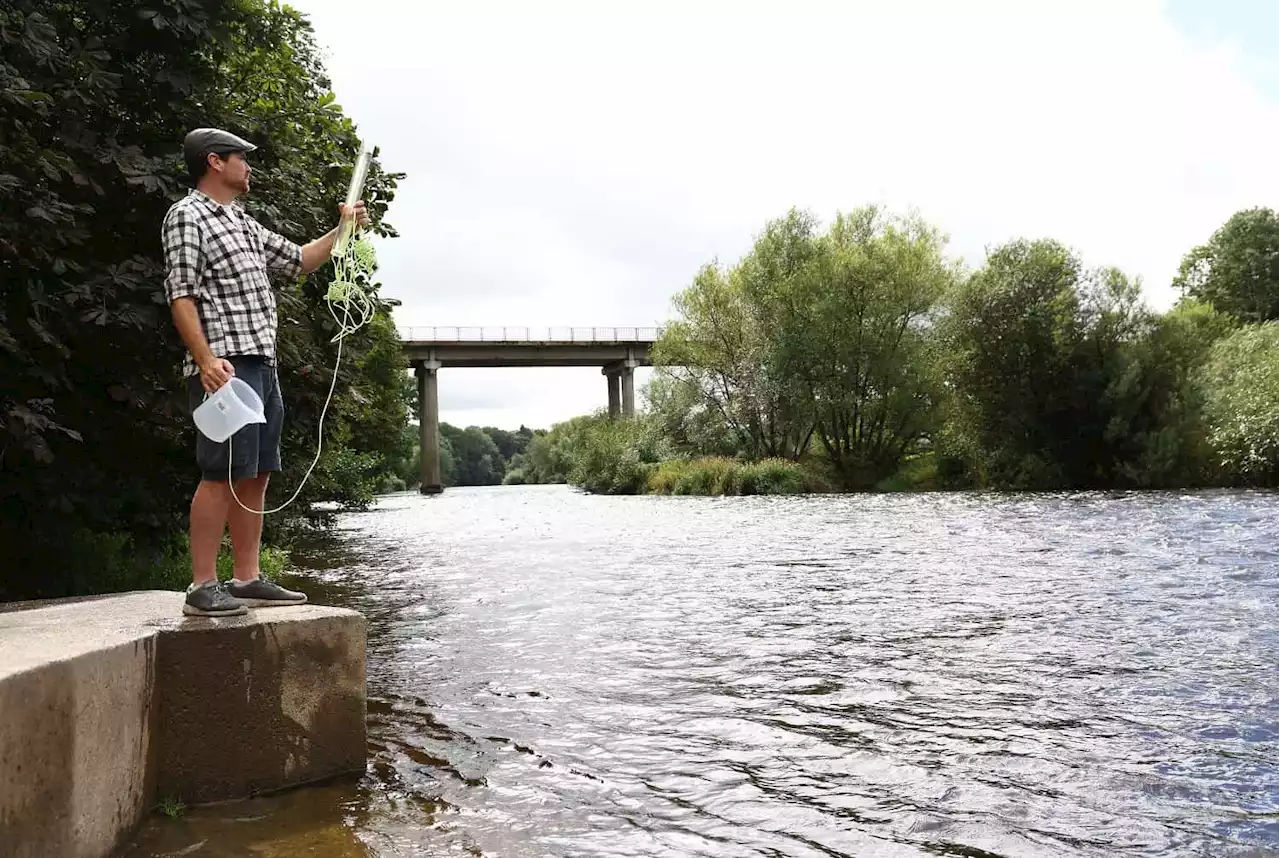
<point>214,371</point>
<point>314,253</point>
<point>187,320</point>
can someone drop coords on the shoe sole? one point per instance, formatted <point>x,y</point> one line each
<point>272,603</point>
<point>192,611</point>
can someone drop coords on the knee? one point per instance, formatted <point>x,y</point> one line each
<point>252,484</point>
<point>210,492</point>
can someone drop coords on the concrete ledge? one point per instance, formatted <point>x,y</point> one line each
<point>108,703</point>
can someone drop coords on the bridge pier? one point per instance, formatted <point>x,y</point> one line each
<point>615,392</point>
<point>622,386</point>
<point>628,375</point>
<point>428,372</point>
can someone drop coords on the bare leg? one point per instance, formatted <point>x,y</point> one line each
<point>246,527</point>
<point>208,520</point>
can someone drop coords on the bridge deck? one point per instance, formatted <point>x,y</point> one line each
<point>508,346</point>
<point>510,335</point>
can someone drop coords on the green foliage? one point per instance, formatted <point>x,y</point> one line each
<point>1060,378</point>
<point>810,337</point>
<point>1237,270</point>
<point>172,807</point>
<point>401,462</point>
<point>476,458</point>
<point>685,418</point>
<point>917,473</point>
<point>702,476</point>
<point>95,435</point>
<point>719,348</point>
<point>865,346</point>
<point>510,444</point>
<point>1011,330</point>
<point>116,562</point>
<point>549,457</point>
<point>614,456</point>
<point>634,456</point>
<point>1159,410</point>
<point>721,476</point>
<point>1241,389</point>
<point>857,328</point>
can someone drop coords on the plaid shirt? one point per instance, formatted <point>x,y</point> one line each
<point>221,257</point>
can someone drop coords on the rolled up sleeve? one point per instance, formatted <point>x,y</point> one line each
<point>283,256</point>
<point>183,254</point>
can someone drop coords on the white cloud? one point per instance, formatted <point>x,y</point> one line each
<point>574,163</point>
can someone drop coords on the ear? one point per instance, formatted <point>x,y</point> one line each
<point>213,159</point>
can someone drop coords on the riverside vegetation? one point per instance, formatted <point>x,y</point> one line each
<point>861,358</point>
<point>855,358</point>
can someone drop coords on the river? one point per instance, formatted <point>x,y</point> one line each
<point>556,674</point>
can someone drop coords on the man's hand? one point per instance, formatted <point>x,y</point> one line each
<point>358,211</point>
<point>215,372</point>
<point>316,253</point>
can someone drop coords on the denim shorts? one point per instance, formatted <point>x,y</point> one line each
<point>256,447</point>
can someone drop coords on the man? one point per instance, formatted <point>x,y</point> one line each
<point>218,261</point>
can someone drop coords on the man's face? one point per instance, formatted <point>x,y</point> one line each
<point>233,170</point>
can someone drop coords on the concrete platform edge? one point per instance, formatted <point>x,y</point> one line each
<point>100,696</point>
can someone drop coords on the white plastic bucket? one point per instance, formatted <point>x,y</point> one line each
<point>229,409</point>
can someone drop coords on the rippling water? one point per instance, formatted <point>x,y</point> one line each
<point>553,674</point>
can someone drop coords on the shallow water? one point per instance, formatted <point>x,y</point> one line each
<point>554,674</point>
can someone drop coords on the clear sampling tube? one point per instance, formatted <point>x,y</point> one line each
<point>354,190</point>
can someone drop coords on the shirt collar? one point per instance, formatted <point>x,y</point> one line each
<point>212,204</point>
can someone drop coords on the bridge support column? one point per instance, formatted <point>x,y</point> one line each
<point>615,392</point>
<point>622,386</point>
<point>429,426</point>
<point>628,376</point>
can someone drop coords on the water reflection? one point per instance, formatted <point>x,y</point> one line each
<point>978,675</point>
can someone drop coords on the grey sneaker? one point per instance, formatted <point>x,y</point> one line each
<point>260,593</point>
<point>210,599</point>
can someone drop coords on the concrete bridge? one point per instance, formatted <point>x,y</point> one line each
<point>617,351</point>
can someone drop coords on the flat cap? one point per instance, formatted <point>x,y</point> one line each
<point>201,141</point>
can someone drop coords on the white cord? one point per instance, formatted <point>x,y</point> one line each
<point>344,291</point>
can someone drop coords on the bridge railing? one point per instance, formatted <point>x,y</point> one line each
<point>508,334</point>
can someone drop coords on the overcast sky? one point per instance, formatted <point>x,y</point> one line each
<point>575,163</point>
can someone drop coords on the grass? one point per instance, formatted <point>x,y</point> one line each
<point>722,476</point>
<point>172,807</point>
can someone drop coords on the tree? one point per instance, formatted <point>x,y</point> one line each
<point>95,434</point>
<point>477,460</point>
<point>1241,387</point>
<point>1012,330</point>
<point>1156,423</point>
<point>1059,377</point>
<point>811,335</point>
<point>853,328</point>
<point>510,444</point>
<point>1237,270</point>
<point>718,349</point>
<point>682,415</point>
